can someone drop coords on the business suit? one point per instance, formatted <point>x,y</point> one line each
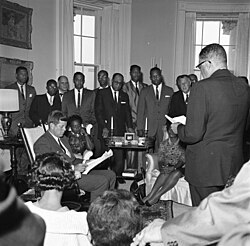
<point>154,111</point>
<point>86,110</point>
<point>105,108</point>
<point>130,89</point>
<point>41,108</point>
<point>216,117</point>
<point>22,116</point>
<point>132,156</point>
<point>96,182</point>
<point>177,105</point>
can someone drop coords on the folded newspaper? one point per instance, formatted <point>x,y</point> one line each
<point>94,162</point>
<point>179,119</point>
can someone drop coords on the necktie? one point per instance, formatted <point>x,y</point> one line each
<point>186,99</point>
<point>60,143</point>
<point>137,89</point>
<point>22,92</point>
<point>78,99</point>
<point>116,100</point>
<point>157,93</point>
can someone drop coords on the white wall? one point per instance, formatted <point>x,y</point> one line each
<point>43,39</point>
<point>154,34</point>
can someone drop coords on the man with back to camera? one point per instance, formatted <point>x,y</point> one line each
<point>113,102</point>
<point>63,85</point>
<point>154,104</point>
<point>216,118</point>
<point>179,100</point>
<point>97,181</point>
<point>42,105</point>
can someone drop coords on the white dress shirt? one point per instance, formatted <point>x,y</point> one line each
<point>159,89</point>
<point>76,96</point>
<point>24,89</point>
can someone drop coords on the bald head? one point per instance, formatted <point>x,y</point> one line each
<point>63,84</point>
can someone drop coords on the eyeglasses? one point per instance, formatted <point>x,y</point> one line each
<point>198,66</point>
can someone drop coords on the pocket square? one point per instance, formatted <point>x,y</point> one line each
<point>123,102</point>
<point>30,95</point>
<point>167,96</point>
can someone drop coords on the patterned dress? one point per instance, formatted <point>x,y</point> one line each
<point>169,155</point>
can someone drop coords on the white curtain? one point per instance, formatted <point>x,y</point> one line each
<point>242,46</point>
<point>116,39</point>
<point>65,39</point>
<point>185,39</point>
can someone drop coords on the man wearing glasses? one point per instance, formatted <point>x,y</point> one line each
<point>216,118</point>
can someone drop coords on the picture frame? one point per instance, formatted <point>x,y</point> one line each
<point>15,25</point>
<point>129,136</point>
<point>8,70</point>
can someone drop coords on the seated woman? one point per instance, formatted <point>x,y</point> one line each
<point>171,157</point>
<point>52,174</point>
<point>79,140</point>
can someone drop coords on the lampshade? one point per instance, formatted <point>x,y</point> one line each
<point>9,100</point>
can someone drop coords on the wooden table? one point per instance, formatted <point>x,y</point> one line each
<point>12,143</point>
<point>148,147</point>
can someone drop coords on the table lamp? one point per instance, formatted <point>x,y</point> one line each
<point>9,102</point>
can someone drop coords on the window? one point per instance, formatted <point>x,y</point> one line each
<point>85,42</point>
<point>222,31</point>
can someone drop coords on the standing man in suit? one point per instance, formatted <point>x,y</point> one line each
<point>42,105</point>
<point>179,100</point>
<point>154,104</point>
<point>63,85</point>
<point>133,89</point>
<point>113,102</point>
<point>216,118</point>
<point>26,95</point>
<point>79,101</point>
<point>100,147</point>
<point>97,181</point>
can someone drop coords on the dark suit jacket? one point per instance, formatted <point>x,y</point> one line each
<point>105,107</point>
<point>133,97</point>
<point>154,110</point>
<point>40,108</point>
<point>46,144</point>
<point>86,111</point>
<point>216,117</point>
<point>22,116</point>
<point>177,105</point>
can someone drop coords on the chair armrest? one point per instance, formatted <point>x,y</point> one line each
<point>151,162</point>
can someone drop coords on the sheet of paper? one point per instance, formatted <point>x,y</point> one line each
<point>94,162</point>
<point>179,119</point>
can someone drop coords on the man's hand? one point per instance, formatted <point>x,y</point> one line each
<point>174,127</point>
<point>80,167</point>
<point>150,234</point>
<point>105,132</point>
<point>77,175</point>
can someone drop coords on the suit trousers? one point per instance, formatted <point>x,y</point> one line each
<point>117,161</point>
<point>199,193</point>
<point>96,182</point>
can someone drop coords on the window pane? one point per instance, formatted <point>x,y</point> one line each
<point>228,35</point>
<point>77,47</point>
<point>88,24</point>
<point>88,50</point>
<point>211,32</point>
<point>77,24</point>
<point>89,73</point>
<point>197,52</point>
<point>198,32</point>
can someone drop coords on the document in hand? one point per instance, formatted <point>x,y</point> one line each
<point>94,162</point>
<point>179,119</point>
